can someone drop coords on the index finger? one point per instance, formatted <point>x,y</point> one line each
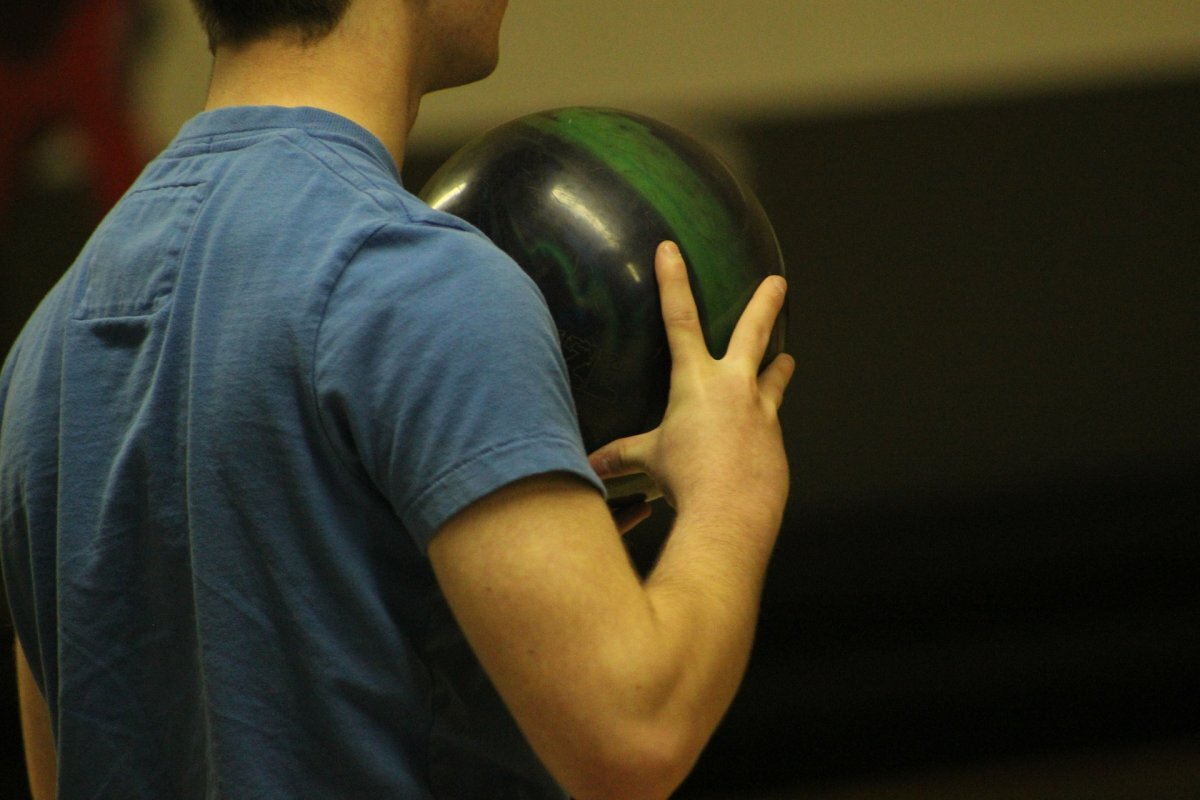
<point>680,316</point>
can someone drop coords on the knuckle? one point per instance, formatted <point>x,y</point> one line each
<point>682,317</point>
<point>615,458</point>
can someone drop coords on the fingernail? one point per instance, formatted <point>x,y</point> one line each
<point>670,248</point>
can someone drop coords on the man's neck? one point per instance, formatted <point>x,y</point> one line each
<point>361,71</point>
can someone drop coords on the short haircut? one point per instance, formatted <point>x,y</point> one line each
<point>234,22</point>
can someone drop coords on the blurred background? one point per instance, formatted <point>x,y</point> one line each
<point>988,584</point>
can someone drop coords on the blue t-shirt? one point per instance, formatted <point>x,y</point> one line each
<point>226,439</point>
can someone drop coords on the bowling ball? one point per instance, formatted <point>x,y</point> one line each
<point>580,198</point>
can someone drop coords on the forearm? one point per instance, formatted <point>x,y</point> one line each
<point>705,593</point>
<point>616,682</point>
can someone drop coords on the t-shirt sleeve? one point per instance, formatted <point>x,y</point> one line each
<point>438,370</point>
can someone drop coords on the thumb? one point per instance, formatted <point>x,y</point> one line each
<point>622,457</point>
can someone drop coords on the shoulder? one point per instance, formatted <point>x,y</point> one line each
<point>439,370</point>
<point>431,266</point>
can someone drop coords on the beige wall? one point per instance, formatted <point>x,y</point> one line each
<point>687,59</point>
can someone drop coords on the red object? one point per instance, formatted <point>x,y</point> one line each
<point>74,81</point>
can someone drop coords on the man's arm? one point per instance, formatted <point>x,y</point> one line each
<point>40,760</point>
<point>617,683</point>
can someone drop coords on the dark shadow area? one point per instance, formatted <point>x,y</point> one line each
<point>994,535</point>
<point>896,639</point>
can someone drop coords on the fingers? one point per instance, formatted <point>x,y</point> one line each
<point>685,336</point>
<point>773,381</point>
<point>682,320</point>
<point>754,328</point>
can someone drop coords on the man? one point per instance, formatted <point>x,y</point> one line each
<point>292,498</point>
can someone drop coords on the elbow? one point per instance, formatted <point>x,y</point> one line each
<point>642,761</point>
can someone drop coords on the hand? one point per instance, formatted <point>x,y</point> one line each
<point>719,449</point>
<point>541,588</point>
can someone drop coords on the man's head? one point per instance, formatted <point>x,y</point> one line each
<point>459,40</point>
<point>237,22</point>
<point>455,41</point>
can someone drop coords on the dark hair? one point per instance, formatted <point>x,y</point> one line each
<point>236,22</point>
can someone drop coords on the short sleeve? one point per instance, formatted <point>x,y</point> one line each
<point>438,371</point>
